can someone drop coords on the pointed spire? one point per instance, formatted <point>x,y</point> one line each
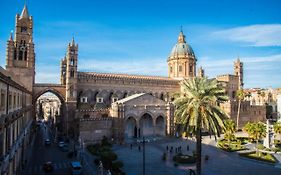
<point>11,36</point>
<point>238,59</point>
<point>72,42</point>
<point>24,13</point>
<point>181,38</point>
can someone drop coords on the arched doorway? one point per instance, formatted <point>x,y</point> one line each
<point>49,106</point>
<point>160,126</point>
<point>146,125</point>
<point>131,128</point>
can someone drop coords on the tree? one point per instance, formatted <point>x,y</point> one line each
<point>256,131</point>
<point>197,108</point>
<point>230,129</point>
<point>277,128</point>
<point>240,95</point>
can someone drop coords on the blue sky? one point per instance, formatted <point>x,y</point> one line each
<point>136,37</point>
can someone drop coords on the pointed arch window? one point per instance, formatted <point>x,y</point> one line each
<point>72,73</point>
<point>20,55</point>
<point>72,61</point>
<point>25,55</point>
<point>15,54</point>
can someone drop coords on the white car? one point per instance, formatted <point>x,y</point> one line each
<point>61,144</point>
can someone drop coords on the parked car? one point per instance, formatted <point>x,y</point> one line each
<point>47,142</point>
<point>76,168</point>
<point>65,148</point>
<point>48,166</point>
<point>61,144</point>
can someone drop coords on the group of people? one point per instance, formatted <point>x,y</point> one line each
<point>177,149</point>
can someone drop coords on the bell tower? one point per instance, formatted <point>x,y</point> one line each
<point>71,71</point>
<point>20,56</point>
<point>238,71</point>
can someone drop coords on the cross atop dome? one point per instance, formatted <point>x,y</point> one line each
<point>181,38</point>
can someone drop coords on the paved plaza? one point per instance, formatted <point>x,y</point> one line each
<point>220,162</point>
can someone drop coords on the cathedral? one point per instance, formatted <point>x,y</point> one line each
<point>119,106</point>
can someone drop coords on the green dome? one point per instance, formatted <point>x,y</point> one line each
<point>181,48</point>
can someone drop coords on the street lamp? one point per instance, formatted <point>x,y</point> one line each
<point>143,156</point>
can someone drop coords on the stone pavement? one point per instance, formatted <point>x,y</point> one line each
<point>220,162</point>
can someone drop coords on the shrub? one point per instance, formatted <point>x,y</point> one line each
<point>105,142</point>
<point>94,149</point>
<point>264,157</point>
<point>184,159</point>
<point>108,156</point>
<point>260,146</point>
<point>118,164</point>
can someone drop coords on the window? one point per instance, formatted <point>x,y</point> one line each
<point>15,54</point>
<point>114,99</point>
<point>72,73</point>
<point>15,100</point>
<point>233,94</point>
<point>18,99</point>
<point>190,68</point>
<point>2,105</point>
<point>72,61</point>
<point>100,100</point>
<point>171,69</point>
<point>180,68</point>
<point>25,55</point>
<point>10,101</point>
<point>20,55</point>
<point>84,100</point>
<point>23,29</point>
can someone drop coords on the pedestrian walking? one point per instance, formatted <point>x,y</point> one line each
<point>167,148</point>
<point>139,148</point>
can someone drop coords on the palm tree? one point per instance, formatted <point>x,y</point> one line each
<point>230,129</point>
<point>240,95</point>
<point>256,131</point>
<point>197,108</point>
<point>277,128</point>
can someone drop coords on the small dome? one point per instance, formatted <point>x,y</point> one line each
<point>181,48</point>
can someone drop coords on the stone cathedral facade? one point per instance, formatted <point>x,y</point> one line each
<point>118,106</point>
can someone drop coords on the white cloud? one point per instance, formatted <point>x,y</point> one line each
<point>253,35</point>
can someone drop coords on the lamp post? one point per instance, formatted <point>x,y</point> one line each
<point>143,156</point>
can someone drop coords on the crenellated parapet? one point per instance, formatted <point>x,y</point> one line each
<point>126,79</point>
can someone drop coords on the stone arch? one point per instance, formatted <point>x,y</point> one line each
<point>58,119</point>
<point>111,94</point>
<point>119,94</point>
<point>54,91</point>
<point>131,127</point>
<point>94,96</point>
<point>125,94</point>
<point>160,126</point>
<point>146,125</point>
<point>86,93</point>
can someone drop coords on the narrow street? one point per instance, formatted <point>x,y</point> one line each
<point>42,153</point>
